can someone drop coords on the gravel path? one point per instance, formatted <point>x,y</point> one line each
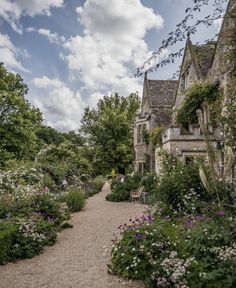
<point>79,257</point>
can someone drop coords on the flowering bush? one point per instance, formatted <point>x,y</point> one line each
<point>30,215</point>
<point>182,190</point>
<point>62,161</point>
<point>74,199</point>
<point>187,252</point>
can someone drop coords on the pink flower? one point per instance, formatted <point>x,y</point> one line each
<point>221,213</point>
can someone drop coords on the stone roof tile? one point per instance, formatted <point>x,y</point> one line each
<point>162,92</point>
<point>205,54</point>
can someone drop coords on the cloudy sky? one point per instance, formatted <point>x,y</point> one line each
<point>72,52</point>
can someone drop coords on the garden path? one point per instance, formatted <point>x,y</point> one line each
<point>80,255</point>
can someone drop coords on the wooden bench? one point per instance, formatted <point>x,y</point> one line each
<point>135,195</point>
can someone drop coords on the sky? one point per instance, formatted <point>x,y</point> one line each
<point>73,52</point>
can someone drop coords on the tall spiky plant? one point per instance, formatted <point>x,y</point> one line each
<point>210,182</point>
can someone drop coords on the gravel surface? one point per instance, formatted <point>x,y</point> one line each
<point>80,256</point>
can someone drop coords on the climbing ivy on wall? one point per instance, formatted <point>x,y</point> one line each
<point>194,98</point>
<point>229,109</point>
<point>156,136</point>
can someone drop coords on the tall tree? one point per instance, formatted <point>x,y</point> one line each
<point>48,135</point>
<point>18,119</point>
<point>109,130</point>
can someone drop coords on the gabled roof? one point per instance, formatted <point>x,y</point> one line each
<point>161,92</point>
<point>231,4</point>
<point>204,56</point>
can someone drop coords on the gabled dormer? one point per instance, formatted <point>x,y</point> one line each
<point>197,61</point>
<point>224,61</point>
<point>190,71</point>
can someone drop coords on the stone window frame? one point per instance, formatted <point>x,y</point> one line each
<point>140,130</point>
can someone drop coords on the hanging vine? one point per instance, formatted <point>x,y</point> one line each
<point>195,96</point>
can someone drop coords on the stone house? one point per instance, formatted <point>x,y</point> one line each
<point>161,100</point>
<point>157,102</point>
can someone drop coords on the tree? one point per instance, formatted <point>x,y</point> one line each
<point>18,119</point>
<point>63,161</point>
<point>74,138</point>
<point>109,130</point>
<point>49,135</point>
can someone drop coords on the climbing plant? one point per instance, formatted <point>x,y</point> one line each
<point>194,98</point>
<point>155,136</point>
<point>229,107</point>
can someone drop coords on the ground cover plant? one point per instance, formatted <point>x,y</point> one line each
<point>186,239</point>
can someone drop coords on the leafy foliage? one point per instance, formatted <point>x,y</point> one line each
<point>74,198</point>
<point>109,130</point>
<point>48,135</point>
<point>121,191</point>
<point>19,121</point>
<point>93,186</point>
<point>156,136</point>
<point>194,98</point>
<point>65,161</point>
<point>189,252</point>
<point>182,190</point>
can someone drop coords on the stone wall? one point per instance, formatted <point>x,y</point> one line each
<point>222,62</point>
<point>185,145</point>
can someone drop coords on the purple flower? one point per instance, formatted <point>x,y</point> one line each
<point>189,223</point>
<point>149,218</point>
<point>200,217</point>
<point>221,213</point>
<point>139,236</point>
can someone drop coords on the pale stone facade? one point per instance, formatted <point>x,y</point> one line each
<point>157,103</point>
<point>200,63</point>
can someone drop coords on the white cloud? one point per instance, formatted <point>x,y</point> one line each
<point>9,54</point>
<point>112,43</point>
<point>45,82</point>
<point>53,37</point>
<point>30,29</point>
<point>11,11</point>
<point>61,106</point>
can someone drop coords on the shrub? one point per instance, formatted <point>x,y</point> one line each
<point>144,246</point>
<point>25,237</point>
<point>30,214</point>
<point>7,233</point>
<point>182,190</point>
<point>74,198</point>
<point>156,136</point>
<point>94,186</point>
<point>121,191</point>
<point>46,205</point>
<point>150,183</point>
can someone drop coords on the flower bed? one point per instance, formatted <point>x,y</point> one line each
<point>187,239</point>
<point>30,215</point>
